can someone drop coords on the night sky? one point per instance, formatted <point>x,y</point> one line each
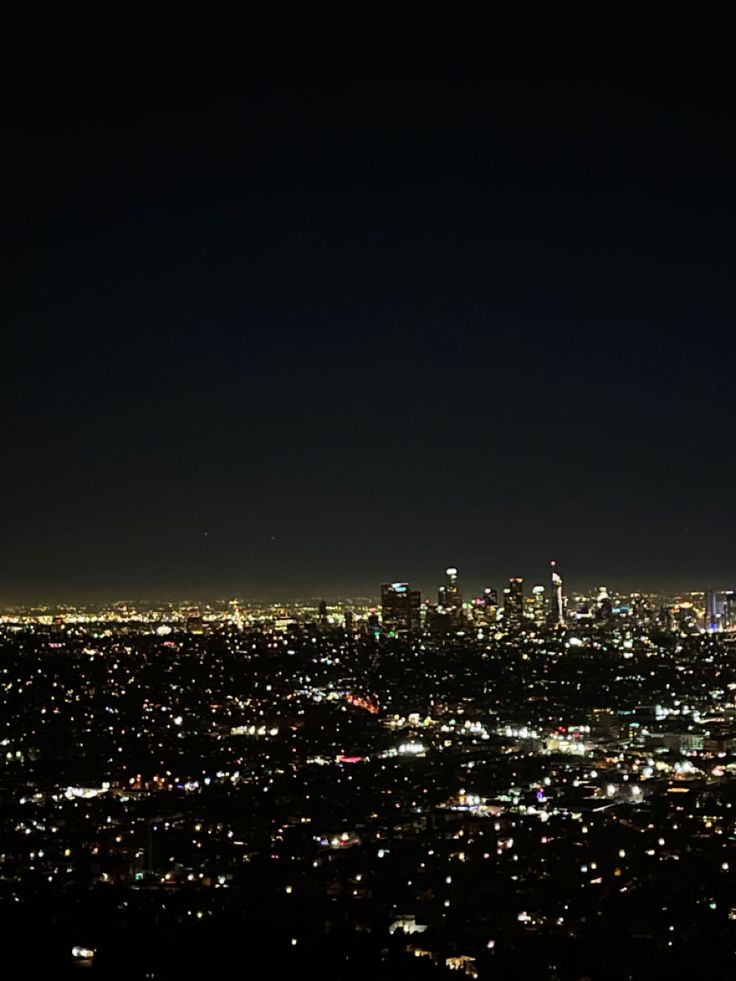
<point>298,339</point>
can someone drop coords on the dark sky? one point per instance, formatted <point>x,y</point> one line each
<point>299,339</point>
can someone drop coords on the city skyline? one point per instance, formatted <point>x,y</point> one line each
<point>363,591</point>
<point>371,593</point>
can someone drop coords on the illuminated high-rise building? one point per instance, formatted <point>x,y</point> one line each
<point>557,611</point>
<point>720,610</point>
<point>485,607</point>
<point>449,596</point>
<point>513,603</point>
<point>729,609</point>
<point>400,608</point>
<point>603,604</point>
<point>539,606</point>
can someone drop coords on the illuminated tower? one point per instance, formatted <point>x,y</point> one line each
<point>400,608</point>
<point>729,609</point>
<point>712,611</point>
<point>513,602</point>
<point>449,596</point>
<point>557,613</point>
<point>485,607</point>
<point>539,606</point>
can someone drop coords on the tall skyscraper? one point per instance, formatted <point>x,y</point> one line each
<point>557,612</point>
<point>490,601</point>
<point>713,610</point>
<point>400,608</point>
<point>720,610</point>
<point>449,596</point>
<point>513,603</point>
<point>729,609</point>
<point>539,606</point>
<point>485,607</point>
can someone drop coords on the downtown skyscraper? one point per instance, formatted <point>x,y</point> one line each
<point>400,608</point>
<point>513,603</point>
